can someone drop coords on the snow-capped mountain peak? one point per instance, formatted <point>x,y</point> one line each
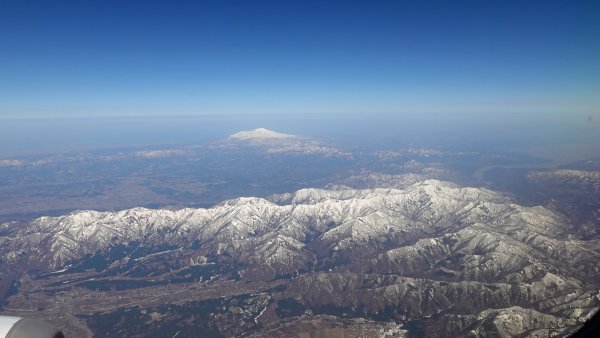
<point>259,134</point>
<point>273,143</point>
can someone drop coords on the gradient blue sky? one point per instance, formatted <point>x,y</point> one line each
<point>142,58</point>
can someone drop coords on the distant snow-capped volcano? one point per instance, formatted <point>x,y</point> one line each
<point>260,134</point>
<point>272,142</point>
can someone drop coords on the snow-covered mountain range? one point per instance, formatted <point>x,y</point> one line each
<point>429,248</point>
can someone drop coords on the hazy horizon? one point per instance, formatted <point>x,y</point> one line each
<point>555,139</point>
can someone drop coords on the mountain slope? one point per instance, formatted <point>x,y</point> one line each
<point>276,143</point>
<point>259,133</point>
<point>430,249</point>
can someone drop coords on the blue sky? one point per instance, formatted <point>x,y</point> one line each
<point>147,58</point>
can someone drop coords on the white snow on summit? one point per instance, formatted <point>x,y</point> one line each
<point>273,143</point>
<point>259,134</point>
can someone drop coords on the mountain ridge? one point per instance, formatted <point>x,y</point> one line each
<point>432,248</point>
